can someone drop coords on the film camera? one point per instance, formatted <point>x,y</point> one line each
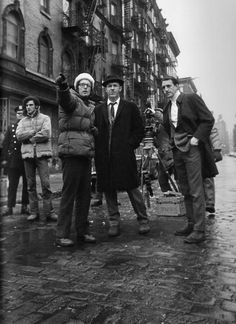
<point>151,127</point>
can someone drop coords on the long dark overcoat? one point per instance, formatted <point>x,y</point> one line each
<point>197,120</point>
<point>116,163</point>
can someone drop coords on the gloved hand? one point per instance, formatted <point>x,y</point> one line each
<point>61,82</point>
<point>217,155</point>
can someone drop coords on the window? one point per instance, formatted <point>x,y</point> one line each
<point>45,6</point>
<point>113,9</point>
<point>45,54</point>
<point>114,48</point>
<point>12,44</point>
<point>13,33</point>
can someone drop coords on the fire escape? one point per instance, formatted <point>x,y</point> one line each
<point>140,54</point>
<point>128,71</point>
<point>79,22</point>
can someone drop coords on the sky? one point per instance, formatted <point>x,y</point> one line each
<point>205,31</point>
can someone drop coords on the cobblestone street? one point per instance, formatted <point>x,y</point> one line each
<point>130,279</point>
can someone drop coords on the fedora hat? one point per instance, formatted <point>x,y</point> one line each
<point>112,78</point>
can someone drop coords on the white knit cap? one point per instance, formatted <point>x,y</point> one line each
<point>84,76</point>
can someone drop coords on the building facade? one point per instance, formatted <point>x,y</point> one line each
<point>41,38</point>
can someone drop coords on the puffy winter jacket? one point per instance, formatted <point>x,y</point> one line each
<point>39,129</point>
<point>75,125</point>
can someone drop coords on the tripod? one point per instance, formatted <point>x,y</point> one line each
<point>148,150</point>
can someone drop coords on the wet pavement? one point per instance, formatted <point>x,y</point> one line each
<point>154,279</point>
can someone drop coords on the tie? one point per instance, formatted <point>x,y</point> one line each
<point>112,109</point>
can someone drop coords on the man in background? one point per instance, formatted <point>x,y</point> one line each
<point>34,132</point>
<point>13,164</point>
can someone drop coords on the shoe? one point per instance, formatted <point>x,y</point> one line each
<point>24,210</point>
<point>210,215</point>
<point>96,203</point>
<point>210,210</point>
<point>64,242</point>
<point>86,238</point>
<point>144,228</point>
<point>195,237</point>
<point>114,230</point>
<point>52,217</point>
<point>32,217</point>
<point>8,212</point>
<point>185,231</point>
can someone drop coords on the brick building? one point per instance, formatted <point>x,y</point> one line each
<point>40,38</point>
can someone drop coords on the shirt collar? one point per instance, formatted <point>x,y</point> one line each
<point>117,101</point>
<point>175,96</point>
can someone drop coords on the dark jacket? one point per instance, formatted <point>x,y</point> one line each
<point>76,125</point>
<point>11,151</point>
<point>197,120</point>
<point>117,169</point>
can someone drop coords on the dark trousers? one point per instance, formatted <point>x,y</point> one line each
<point>14,175</point>
<point>41,165</point>
<point>76,191</point>
<point>136,200</point>
<point>189,174</point>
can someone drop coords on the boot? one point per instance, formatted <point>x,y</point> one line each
<point>114,230</point>
<point>185,231</point>
<point>24,210</point>
<point>195,237</point>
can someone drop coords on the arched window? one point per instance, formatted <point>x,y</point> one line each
<point>12,46</point>
<point>68,65</point>
<point>13,33</point>
<point>45,54</point>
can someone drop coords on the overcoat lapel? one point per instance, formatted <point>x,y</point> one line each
<point>120,107</point>
<point>105,112</point>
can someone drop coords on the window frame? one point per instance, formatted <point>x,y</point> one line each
<point>44,38</point>
<point>14,11</point>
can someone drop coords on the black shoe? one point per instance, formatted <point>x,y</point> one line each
<point>210,210</point>
<point>33,217</point>
<point>8,212</point>
<point>195,237</point>
<point>86,238</point>
<point>96,203</point>
<point>65,242</point>
<point>114,230</point>
<point>185,231</point>
<point>144,228</point>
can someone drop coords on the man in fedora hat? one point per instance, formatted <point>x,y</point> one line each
<point>13,164</point>
<point>120,131</point>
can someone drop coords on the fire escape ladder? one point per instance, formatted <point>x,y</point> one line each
<point>128,50</point>
<point>90,13</point>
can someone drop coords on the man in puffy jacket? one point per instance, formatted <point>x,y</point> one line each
<point>76,149</point>
<point>34,132</point>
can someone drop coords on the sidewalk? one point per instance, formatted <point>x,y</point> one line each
<point>130,279</point>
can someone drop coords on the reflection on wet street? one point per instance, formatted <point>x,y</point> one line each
<point>128,279</point>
